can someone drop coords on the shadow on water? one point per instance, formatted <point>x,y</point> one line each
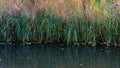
<point>54,56</point>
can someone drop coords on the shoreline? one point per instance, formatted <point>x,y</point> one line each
<point>63,44</point>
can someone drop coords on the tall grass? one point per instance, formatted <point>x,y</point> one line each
<point>81,21</point>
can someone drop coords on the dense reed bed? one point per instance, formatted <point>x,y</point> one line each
<point>80,21</point>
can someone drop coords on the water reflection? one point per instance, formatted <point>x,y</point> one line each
<point>54,56</point>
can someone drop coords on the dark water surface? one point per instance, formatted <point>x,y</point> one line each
<point>56,56</point>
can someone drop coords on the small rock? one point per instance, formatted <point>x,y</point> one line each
<point>83,43</point>
<point>93,44</point>
<point>62,49</point>
<point>76,44</point>
<point>27,57</point>
<point>101,49</point>
<point>89,42</point>
<point>81,64</point>
<point>28,43</point>
<point>115,44</point>
<point>0,59</point>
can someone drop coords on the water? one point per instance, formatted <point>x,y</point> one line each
<point>54,56</point>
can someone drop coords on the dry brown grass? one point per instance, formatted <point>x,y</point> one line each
<point>64,7</point>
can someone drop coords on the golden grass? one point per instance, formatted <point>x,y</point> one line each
<point>65,8</point>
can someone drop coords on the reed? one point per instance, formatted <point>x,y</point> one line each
<point>88,21</point>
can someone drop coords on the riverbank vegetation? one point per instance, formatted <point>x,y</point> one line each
<point>78,22</point>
